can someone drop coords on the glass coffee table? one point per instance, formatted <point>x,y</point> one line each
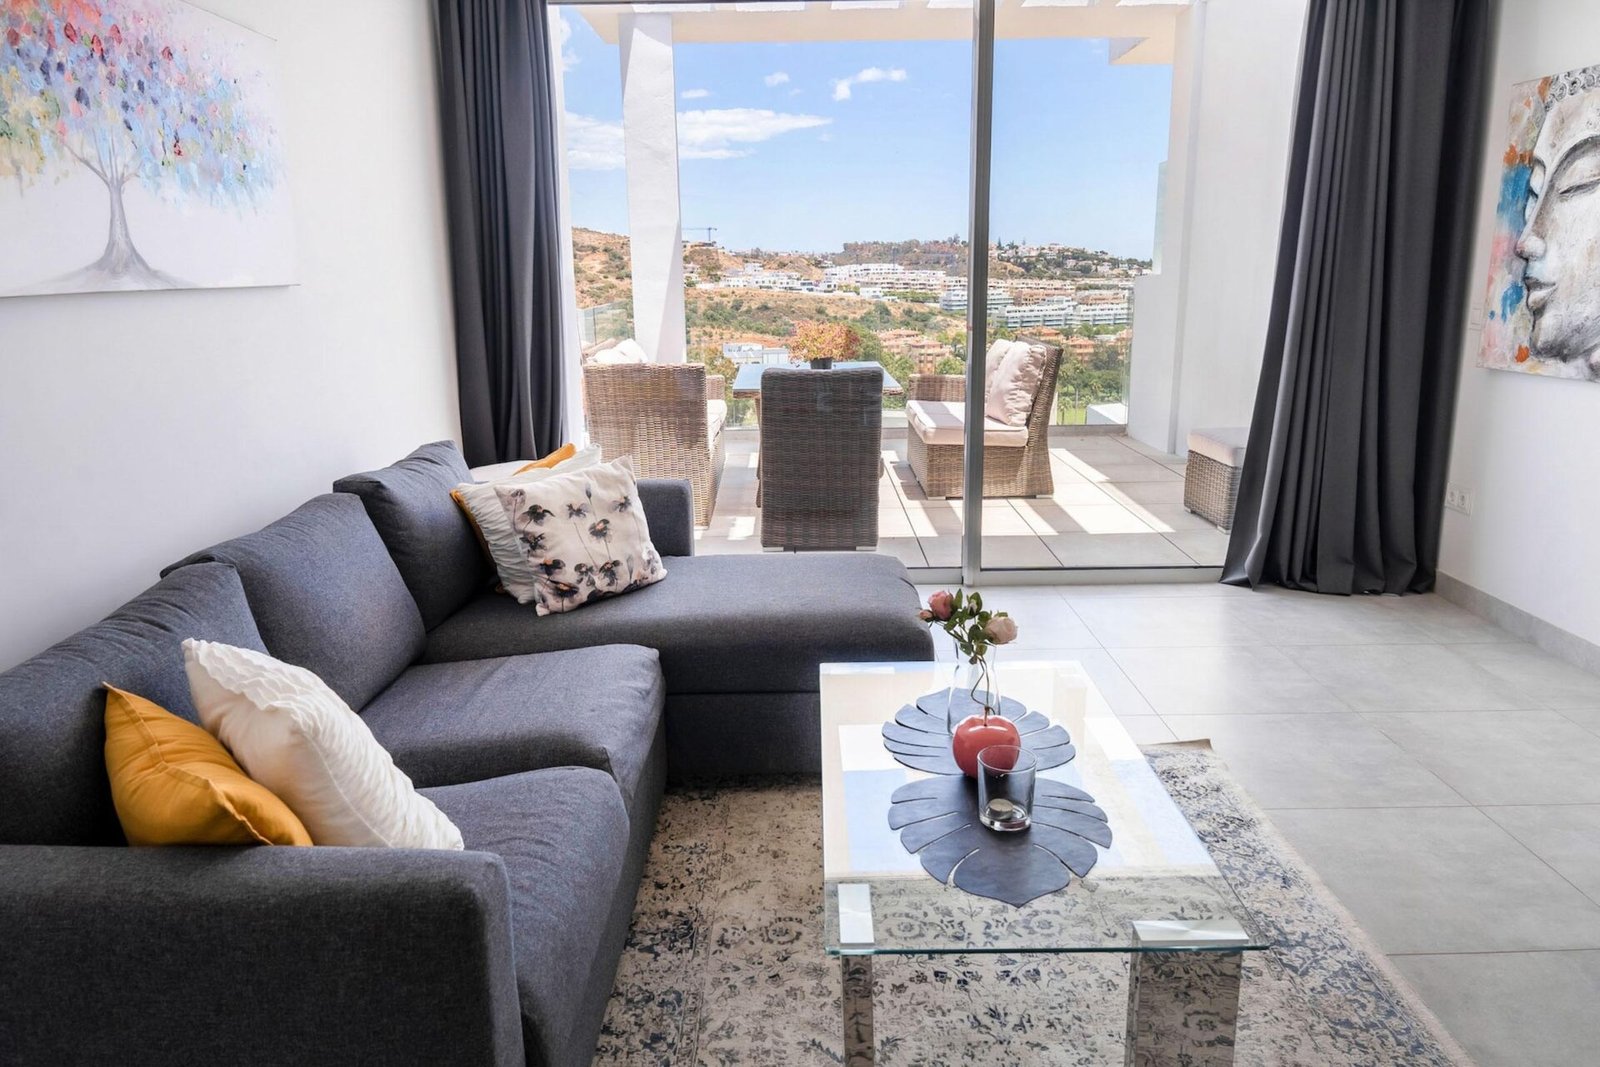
<point>1154,894</point>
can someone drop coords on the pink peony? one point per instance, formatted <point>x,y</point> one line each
<point>1002,630</point>
<point>942,604</point>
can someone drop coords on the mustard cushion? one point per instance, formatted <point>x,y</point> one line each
<point>174,784</point>
<point>560,455</point>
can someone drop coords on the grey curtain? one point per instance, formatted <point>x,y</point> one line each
<point>1343,483</point>
<point>498,122</point>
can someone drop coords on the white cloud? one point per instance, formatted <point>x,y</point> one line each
<point>569,58</point>
<point>593,144</point>
<point>695,94</point>
<point>719,133</point>
<point>775,79</point>
<point>842,87</point>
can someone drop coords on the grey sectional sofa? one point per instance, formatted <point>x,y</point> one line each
<point>547,740</point>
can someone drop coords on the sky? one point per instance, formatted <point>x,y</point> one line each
<point>804,146</point>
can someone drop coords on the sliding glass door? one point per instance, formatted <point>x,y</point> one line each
<point>896,184</point>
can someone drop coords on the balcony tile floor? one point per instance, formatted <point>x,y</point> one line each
<point>1435,771</point>
<point>1116,504</point>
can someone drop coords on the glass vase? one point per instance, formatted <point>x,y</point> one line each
<point>973,687</point>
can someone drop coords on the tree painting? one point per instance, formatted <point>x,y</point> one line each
<point>139,94</point>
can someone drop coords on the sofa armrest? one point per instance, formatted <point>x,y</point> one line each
<point>951,387</point>
<point>256,956</point>
<point>669,509</point>
<point>716,387</point>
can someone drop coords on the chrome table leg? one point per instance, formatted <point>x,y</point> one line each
<point>855,973</point>
<point>1183,1008</point>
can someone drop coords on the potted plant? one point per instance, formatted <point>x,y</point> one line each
<point>823,342</point>
<point>976,632</point>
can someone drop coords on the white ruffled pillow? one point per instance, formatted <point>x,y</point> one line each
<point>293,734</point>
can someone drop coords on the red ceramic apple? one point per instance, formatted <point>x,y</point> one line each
<point>976,733</point>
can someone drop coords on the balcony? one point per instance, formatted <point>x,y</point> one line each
<point>1117,503</point>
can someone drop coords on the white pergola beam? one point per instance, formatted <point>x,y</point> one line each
<point>655,217</point>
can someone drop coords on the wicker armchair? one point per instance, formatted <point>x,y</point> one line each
<point>821,442</point>
<point>1021,469</point>
<point>668,416</point>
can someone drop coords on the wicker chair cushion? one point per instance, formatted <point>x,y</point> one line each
<point>1012,389</point>
<point>993,358</point>
<point>716,416</point>
<point>1226,446</point>
<point>940,422</point>
<point>623,353</point>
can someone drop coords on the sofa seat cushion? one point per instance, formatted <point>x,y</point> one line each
<point>563,834</point>
<point>598,707</point>
<point>722,624</point>
<point>941,422</point>
<point>53,785</point>
<point>326,596</point>
<point>430,539</point>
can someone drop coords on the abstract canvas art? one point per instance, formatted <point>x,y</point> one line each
<point>140,148</point>
<point>1543,313</point>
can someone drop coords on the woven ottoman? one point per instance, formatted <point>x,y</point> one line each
<point>1211,480</point>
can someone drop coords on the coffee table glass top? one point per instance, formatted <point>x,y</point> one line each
<point>1155,889</point>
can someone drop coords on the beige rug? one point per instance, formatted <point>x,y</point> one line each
<point>725,966</point>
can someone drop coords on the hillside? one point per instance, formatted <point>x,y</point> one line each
<point>600,264</point>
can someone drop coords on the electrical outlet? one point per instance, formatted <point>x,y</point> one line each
<point>1458,498</point>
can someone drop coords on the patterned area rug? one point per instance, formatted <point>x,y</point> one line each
<point>725,966</point>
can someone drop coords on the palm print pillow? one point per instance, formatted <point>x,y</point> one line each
<point>582,536</point>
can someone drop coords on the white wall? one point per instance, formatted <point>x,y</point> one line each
<point>136,427</point>
<point>1223,240</point>
<point>1526,445</point>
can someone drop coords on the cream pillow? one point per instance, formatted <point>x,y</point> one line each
<point>580,535</point>
<point>623,353</point>
<point>500,540</point>
<point>294,736</point>
<point>992,360</point>
<point>1011,391</point>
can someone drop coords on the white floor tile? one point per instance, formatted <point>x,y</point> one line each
<point>1514,1009</point>
<point>1502,757</point>
<point>1316,761</point>
<point>1441,880</point>
<point>1229,680</point>
<point>1406,678</point>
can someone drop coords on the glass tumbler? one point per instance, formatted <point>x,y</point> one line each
<point>1005,787</point>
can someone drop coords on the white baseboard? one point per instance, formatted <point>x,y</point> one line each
<point>1560,643</point>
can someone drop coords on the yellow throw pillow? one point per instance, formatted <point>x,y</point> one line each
<point>174,784</point>
<point>560,455</point>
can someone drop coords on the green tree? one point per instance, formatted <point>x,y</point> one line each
<point>739,411</point>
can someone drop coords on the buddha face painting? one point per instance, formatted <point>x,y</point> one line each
<point>1543,308</point>
<point>1560,240</point>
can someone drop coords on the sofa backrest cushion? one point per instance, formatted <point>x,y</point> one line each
<point>327,595</point>
<point>53,784</point>
<point>431,541</point>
